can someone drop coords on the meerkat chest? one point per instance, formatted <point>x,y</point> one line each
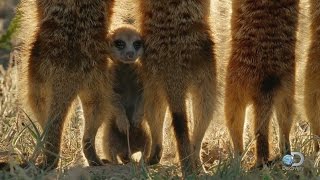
<point>127,85</point>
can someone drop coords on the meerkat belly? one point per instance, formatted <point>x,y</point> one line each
<point>70,38</point>
<point>129,101</point>
<point>173,46</point>
<point>267,40</point>
<point>128,88</point>
<point>179,38</point>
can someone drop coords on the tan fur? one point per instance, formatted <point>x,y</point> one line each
<point>127,84</point>
<point>66,57</point>
<point>312,75</point>
<point>178,59</point>
<point>261,70</point>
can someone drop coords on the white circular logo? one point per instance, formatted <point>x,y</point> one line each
<point>289,159</point>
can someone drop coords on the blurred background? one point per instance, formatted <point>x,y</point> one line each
<point>7,28</point>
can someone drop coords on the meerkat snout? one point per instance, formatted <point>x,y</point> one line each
<point>130,54</point>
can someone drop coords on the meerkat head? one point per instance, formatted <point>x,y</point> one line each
<point>126,45</point>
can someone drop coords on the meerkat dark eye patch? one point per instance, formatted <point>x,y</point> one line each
<point>137,44</point>
<point>119,44</point>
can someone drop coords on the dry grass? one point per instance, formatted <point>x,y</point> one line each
<point>19,139</point>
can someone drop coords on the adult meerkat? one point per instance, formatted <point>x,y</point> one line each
<point>178,59</point>
<point>261,70</point>
<point>68,58</point>
<point>126,47</point>
<point>312,75</point>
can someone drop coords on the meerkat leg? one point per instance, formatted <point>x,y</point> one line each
<point>95,106</point>
<point>116,142</point>
<point>203,103</point>
<point>154,113</point>
<point>107,141</point>
<point>145,137</point>
<point>285,111</point>
<point>312,106</point>
<point>312,75</point>
<point>119,113</point>
<point>62,96</point>
<point>138,112</point>
<point>38,100</point>
<point>262,115</point>
<point>139,123</point>
<point>235,108</point>
<point>181,129</point>
<point>177,107</point>
<point>124,155</point>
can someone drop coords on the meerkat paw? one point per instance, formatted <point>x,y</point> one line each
<point>137,119</point>
<point>123,124</point>
<point>138,113</point>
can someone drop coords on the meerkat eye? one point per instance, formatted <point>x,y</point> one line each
<point>119,44</point>
<point>137,44</point>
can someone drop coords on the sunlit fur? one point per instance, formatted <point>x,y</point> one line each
<point>312,75</point>
<point>65,56</point>
<point>261,70</point>
<point>127,84</point>
<point>178,59</point>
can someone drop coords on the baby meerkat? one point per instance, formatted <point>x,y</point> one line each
<point>312,76</point>
<point>261,71</point>
<point>126,47</point>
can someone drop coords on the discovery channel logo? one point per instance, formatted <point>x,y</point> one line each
<point>293,161</point>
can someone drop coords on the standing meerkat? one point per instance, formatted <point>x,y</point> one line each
<point>178,59</point>
<point>68,58</point>
<point>312,75</point>
<point>126,48</point>
<point>261,70</point>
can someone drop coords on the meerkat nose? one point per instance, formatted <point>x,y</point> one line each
<point>130,55</point>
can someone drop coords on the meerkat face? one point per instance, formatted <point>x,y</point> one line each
<point>126,45</point>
